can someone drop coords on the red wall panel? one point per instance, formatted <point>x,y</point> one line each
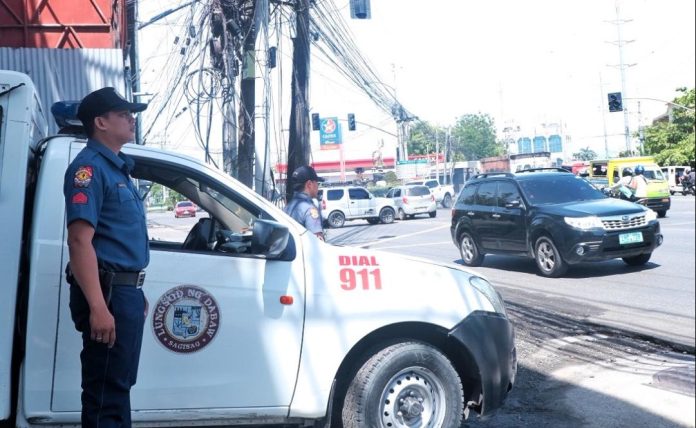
<point>62,23</point>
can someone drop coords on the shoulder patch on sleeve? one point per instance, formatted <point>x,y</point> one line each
<point>83,176</point>
<point>314,212</point>
<point>79,198</point>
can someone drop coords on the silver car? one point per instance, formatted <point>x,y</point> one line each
<point>411,200</point>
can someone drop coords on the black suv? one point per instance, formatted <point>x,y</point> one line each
<point>552,216</point>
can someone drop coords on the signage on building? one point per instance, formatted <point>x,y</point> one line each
<point>329,133</point>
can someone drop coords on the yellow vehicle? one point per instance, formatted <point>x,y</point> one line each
<point>600,172</point>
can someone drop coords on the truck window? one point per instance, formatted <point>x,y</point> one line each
<point>187,213</point>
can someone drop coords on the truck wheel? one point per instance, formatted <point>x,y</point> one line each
<point>471,256</point>
<point>372,220</point>
<point>447,201</point>
<point>405,385</point>
<point>386,216</point>
<point>548,259</point>
<point>401,215</point>
<point>336,219</point>
<point>639,260</point>
<point>662,213</point>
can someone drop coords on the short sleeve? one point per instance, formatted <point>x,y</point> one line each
<point>83,188</point>
<point>312,219</point>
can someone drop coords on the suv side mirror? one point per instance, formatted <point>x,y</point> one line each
<point>513,204</point>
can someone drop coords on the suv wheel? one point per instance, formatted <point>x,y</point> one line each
<point>401,215</point>
<point>447,201</point>
<point>432,214</point>
<point>548,259</point>
<point>639,260</point>
<point>469,251</point>
<point>386,216</point>
<point>336,219</point>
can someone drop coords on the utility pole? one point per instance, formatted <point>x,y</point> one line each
<point>246,118</point>
<point>604,120</point>
<point>622,67</point>
<point>224,29</point>
<point>298,144</point>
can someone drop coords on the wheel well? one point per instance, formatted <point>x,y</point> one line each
<point>436,336</point>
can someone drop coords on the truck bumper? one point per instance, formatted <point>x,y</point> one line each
<point>490,340</point>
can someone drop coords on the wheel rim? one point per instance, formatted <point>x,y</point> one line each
<point>448,200</point>
<point>468,249</point>
<point>546,257</point>
<point>414,397</point>
<point>336,220</point>
<point>402,214</point>
<point>387,216</point>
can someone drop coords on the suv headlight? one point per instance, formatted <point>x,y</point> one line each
<point>485,288</point>
<point>584,223</point>
<point>650,215</point>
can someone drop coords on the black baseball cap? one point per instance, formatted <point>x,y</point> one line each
<point>304,174</point>
<point>103,101</point>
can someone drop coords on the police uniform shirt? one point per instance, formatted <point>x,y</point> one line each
<point>302,209</point>
<point>98,189</point>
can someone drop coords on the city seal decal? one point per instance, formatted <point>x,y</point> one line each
<point>186,319</point>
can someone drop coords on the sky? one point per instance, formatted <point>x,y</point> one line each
<point>522,62</point>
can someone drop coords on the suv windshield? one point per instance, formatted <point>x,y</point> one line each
<point>558,189</point>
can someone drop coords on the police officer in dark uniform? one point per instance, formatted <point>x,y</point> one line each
<point>301,207</point>
<point>109,250</point>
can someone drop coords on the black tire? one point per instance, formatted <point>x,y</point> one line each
<point>662,213</point>
<point>548,258</point>
<point>386,215</point>
<point>401,215</point>
<point>447,201</point>
<point>639,260</point>
<point>372,220</point>
<point>433,214</point>
<point>471,256</point>
<point>336,219</point>
<point>410,378</point>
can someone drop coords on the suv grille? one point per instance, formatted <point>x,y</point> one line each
<point>623,222</point>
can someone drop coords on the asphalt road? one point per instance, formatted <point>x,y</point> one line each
<point>657,300</point>
<point>606,346</point>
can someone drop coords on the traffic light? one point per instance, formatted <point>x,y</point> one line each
<point>351,122</point>
<point>615,103</point>
<point>315,122</point>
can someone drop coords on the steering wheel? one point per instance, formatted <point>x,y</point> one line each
<point>200,236</point>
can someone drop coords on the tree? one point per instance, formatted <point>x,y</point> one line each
<point>422,138</point>
<point>672,142</point>
<point>585,154</point>
<point>473,138</point>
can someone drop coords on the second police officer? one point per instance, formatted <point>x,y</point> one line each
<point>301,207</point>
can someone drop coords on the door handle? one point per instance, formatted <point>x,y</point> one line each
<point>495,215</point>
<point>470,213</point>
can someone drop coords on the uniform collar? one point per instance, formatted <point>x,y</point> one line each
<point>119,160</point>
<point>303,195</point>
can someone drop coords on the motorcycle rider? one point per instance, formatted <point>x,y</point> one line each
<point>623,185</point>
<point>639,183</point>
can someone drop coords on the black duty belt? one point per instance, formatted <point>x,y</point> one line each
<point>135,279</point>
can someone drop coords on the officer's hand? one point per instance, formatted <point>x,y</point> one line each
<point>102,326</point>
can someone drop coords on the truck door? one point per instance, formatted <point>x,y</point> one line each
<point>217,334</point>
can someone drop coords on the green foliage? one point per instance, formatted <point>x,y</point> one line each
<point>473,137</point>
<point>672,143</point>
<point>390,178</point>
<point>585,154</point>
<point>422,138</point>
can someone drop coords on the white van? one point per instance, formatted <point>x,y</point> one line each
<point>673,175</point>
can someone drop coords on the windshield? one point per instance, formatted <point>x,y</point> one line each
<point>419,191</point>
<point>558,190</point>
<point>653,174</point>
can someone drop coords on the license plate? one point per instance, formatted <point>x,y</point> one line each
<point>630,238</point>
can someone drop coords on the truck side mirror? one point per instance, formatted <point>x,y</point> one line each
<point>271,239</point>
<point>513,204</point>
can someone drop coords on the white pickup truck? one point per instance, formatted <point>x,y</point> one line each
<point>443,193</point>
<point>282,327</point>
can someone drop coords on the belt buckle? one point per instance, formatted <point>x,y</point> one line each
<point>141,279</point>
